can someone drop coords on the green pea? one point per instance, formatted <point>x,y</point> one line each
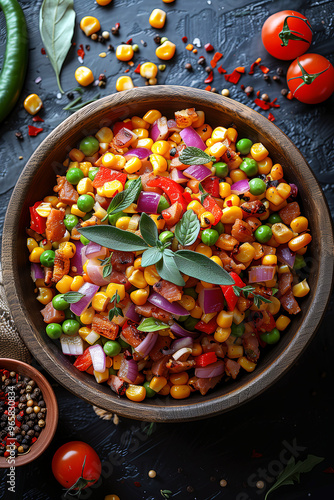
<point>249,166</point>
<point>59,303</point>
<point>271,337</point>
<point>69,314</point>
<point>263,234</point>
<point>221,169</point>
<point>219,227</point>
<point>163,39</point>
<point>84,240</point>
<point>257,186</point>
<point>54,330</point>
<point>166,236</point>
<point>47,258</point>
<point>190,323</point>
<point>89,145</point>
<point>299,262</point>
<point>150,393</point>
<point>85,202</point>
<point>87,216</point>
<point>70,221</point>
<point>163,204</point>
<point>237,330</point>
<point>274,219</point>
<point>92,173</point>
<point>191,292</point>
<point>113,218</point>
<point>244,146</point>
<point>70,326</point>
<point>112,348</point>
<point>209,236</point>
<point>74,175</point>
<point>112,371</point>
<point>124,344</point>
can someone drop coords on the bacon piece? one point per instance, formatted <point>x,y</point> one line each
<point>149,310</point>
<point>203,385</point>
<point>185,117</point>
<point>47,275</point>
<point>61,266</point>
<point>176,366</point>
<point>51,315</point>
<point>93,221</point>
<point>104,327</point>
<point>289,303</point>
<point>161,343</point>
<point>172,214</point>
<point>263,291</point>
<point>251,346</point>
<point>289,212</point>
<point>168,290</point>
<point>117,385</point>
<point>229,264</point>
<point>145,179</point>
<point>253,208</point>
<point>133,336</point>
<point>243,304</point>
<point>119,278</point>
<point>227,242</point>
<point>66,192</point>
<point>231,368</point>
<point>123,138</point>
<point>121,260</point>
<point>209,345</point>
<point>284,282</point>
<point>55,227</point>
<point>159,368</point>
<point>242,231</point>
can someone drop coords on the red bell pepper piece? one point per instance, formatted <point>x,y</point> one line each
<point>212,207</point>
<point>173,190</point>
<point>211,186</point>
<point>230,297</point>
<point>137,70</point>
<point>119,125</point>
<point>206,359</point>
<point>106,175</point>
<point>208,328</point>
<point>83,361</point>
<point>265,326</point>
<point>37,223</point>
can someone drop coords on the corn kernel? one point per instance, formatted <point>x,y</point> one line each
<point>33,104</point>
<point>237,175</point>
<point>160,223</point>
<point>148,70</point>
<point>108,160</point>
<point>247,365</point>
<point>206,219</point>
<point>100,301</point>
<point>111,188</point>
<point>157,383</point>
<point>224,189</point>
<point>160,148</point>
<point>231,214</point>
<point>112,288</point>
<point>64,284</point>
<point>282,322</point>
<point>151,116</point>
<point>234,351</point>
<point>204,249</point>
<point>165,51</point>
<point>284,190</point>
<point>217,260</point>
<point>222,334</point>
<point>301,289</point>
<point>225,319</point>
<point>105,134</point>
<point>269,260</point>
<point>299,224</point>
<point>157,18</point>
<point>84,76</point>
<point>208,317</point>
<point>75,211</point>
<point>87,316</point>
<point>137,279</point>
<point>276,172</point>
<point>281,233</point>
<point>258,151</point>
<point>196,312</point>
<point>158,163</point>
<point>31,244</point>
<point>234,199</point>
<point>187,302</point>
<point>238,316</point>
<point>89,25</point>
<point>180,378</point>
<point>124,52</point>
<point>36,254</point>
<point>45,295</point>
<point>151,275</point>
<point>139,297</point>
<point>136,393</point>
<point>180,391</point>
<point>124,83</point>
<point>44,209</point>
<point>232,134</point>
<point>68,249</point>
<point>123,223</point>
<point>77,283</point>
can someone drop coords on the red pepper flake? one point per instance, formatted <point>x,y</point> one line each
<point>208,47</point>
<point>229,203</point>
<point>256,454</point>
<point>136,483</point>
<point>264,69</point>
<point>289,96</point>
<point>43,51</point>
<point>184,39</point>
<point>221,70</point>
<point>117,26</point>
<point>258,93</point>
<point>137,70</point>
<point>81,52</point>
<point>33,131</point>
<point>262,104</point>
<point>215,59</point>
<point>329,470</point>
<point>127,70</point>
<point>209,78</point>
<point>253,65</point>
<point>240,69</point>
<point>208,88</point>
<point>273,105</point>
<point>129,42</point>
<point>233,77</point>
<point>271,117</point>
<point>37,119</point>
<point>34,439</point>
<point>242,87</point>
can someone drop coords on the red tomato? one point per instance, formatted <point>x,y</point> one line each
<point>286,34</point>
<point>68,465</point>
<point>316,84</point>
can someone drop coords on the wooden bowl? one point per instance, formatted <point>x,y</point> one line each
<point>51,419</point>
<point>37,180</point>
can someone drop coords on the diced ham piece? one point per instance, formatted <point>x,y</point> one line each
<point>242,231</point>
<point>231,368</point>
<point>61,266</point>
<point>284,282</point>
<point>120,279</point>
<point>289,212</point>
<point>229,264</point>
<point>185,117</point>
<point>66,192</point>
<point>176,366</point>
<point>161,343</point>
<point>104,327</point>
<point>173,214</point>
<point>93,221</point>
<point>209,345</point>
<point>251,346</point>
<point>149,310</point>
<point>117,385</point>
<point>203,385</point>
<point>47,275</point>
<point>253,208</point>
<point>55,227</point>
<point>289,303</point>
<point>123,138</point>
<point>132,336</point>
<point>168,290</point>
<point>159,368</point>
<point>121,260</point>
<point>51,315</point>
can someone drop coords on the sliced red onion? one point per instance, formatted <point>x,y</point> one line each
<point>197,172</point>
<point>172,126</point>
<point>128,370</point>
<point>174,308</point>
<point>182,332</point>
<point>209,371</point>
<point>178,176</point>
<point>178,344</point>
<point>93,250</point>
<point>147,344</point>
<point>95,272</point>
<point>131,313</point>
<point>76,261</point>
<point>258,274</point>
<point>285,255</point>
<point>72,346</point>
<point>83,256</point>
<point>211,300</point>
<point>294,190</point>
<point>148,202</point>
<point>36,271</point>
<point>98,357</point>
<point>240,187</point>
<point>191,138</point>
<point>88,290</point>
<point>141,153</point>
<point>159,130</point>
<point>181,353</point>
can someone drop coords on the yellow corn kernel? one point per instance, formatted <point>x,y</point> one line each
<point>51,199</point>
<point>187,302</point>
<point>231,214</point>
<point>247,365</point>
<point>206,219</point>
<point>157,18</point>
<point>136,393</point>
<point>232,134</point>
<point>148,70</point>
<point>274,305</point>
<point>180,378</point>
<point>222,334</point>
<point>124,83</point>
<point>85,186</point>
<point>284,190</point>
<point>68,248</point>
<point>302,251</point>
<point>217,260</point>
<point>160,223</point>
<point>77,283</point>
<point>265,165</point>
<point>129,270</point>
<point>84,76</point>
<point>64,284</point>
<point>258,151</point>
<point>101,377</point>
<point>273,196</point>
<point>138,122</point>
<point>224,189</point>
<point>44,209</point>
<point>116,361</point>
<point>157,383</point>
<point>143,143</point>
<point>112,288</point>
<point>75,211</point>
<point>87,316</point>
<point>100,301</point>
<point>137,279</point>
<point>269,260</point>
<point>141,133</point>
<point>123,223</point>
<point>40,283</point>
<point>137,263</point>
<point>111,188</point>
<point>152,115</point>
<point>301,289</point>
<point>105,134</point>
<point>299,224</point>
<point>89,25</point>
<point>246,252</point>
<point>133,165</point>
<point>85,333</point>
<point>165,51</point>
<point>85,166</point>
<point>36,254</point>
<point>108,160</point>
<point>31,244</point>
<point>234,351</point>
<point>282,322</point>
<point>124,52</point>
<point>175,137</point>
<point>204,249</point>
<point>281,232</point>
<point>45,295</point>
<point>33,104</point>
<point>180,391</point>
<point>45,246</point>
<point>218,134</point>
<point>276,172</point>
<point>217,150</point>
<point>151,275</point>
<point>120,162</point>
<point>283,268</point>
<point>208,317</point>
<point>160,148</point>
<point>234,199</point>
<point>205,284</point>
<point>159,163</point>
<point>237,175</point>
<point>235,163</point>
<point>209,143</point>
<point>200,120</point>
<point>196,312</point>
<point>225,319</point>
<point>238,316</point>
<point>196,207</point>
<point>166,389</point>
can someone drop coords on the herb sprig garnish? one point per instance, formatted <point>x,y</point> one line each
<point>195,156</point>
<point>246,290</point>
<point>107,267</point>
<point>72,297</point>
<point>152,325</point>
<point>124,199</point>
<point>115,311</point>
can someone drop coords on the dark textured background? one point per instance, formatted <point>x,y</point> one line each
<point>298,409</point>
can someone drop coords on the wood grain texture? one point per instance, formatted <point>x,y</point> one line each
<point>37,180</point>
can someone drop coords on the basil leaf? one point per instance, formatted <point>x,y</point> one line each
<point>56,26</point>
<point>187,229</point>
<point>151,325</point>
<point>114,238</point>
<point>72,297</point>
<point>168,271</point>
<point>124,198</point>
<point>148,230</point>
<point>195,156</point>
<point>150,256</point>
<point>201,267</point>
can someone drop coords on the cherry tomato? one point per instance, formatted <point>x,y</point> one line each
<point>311,78</point>
<point>76,465</point>
<point>286,34</point>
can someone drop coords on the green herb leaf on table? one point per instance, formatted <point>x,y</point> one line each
<point>124,199</point>
<point>148,230</point>
<point>166,493</point>
<point>167,270</point>
<point>201,267</point>
<point>114,238</point>
<point>71,107</point>
<point>151,325</point>
<point>72,297</point>
<point>187,229</point>
<point>195,156</point>
<point>292,472</point>
<point>56,26</point>
<point>151,256</point>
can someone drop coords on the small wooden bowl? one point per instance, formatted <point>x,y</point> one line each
<point>51,419</point>
<point>37,181</point>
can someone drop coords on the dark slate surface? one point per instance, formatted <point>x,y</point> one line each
<point>296,415</point>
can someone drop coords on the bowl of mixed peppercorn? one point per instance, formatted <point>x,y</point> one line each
<point>28,413</point>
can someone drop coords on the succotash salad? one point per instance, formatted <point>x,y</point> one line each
<point>167,255</point>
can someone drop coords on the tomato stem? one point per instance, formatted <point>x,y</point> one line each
<point>287,34</point>
<point>305,76</point>
<point>80,483</point>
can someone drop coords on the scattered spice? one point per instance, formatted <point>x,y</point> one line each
<point>221,70</point>
<point>215,59</point>
<point>214,90</point>
<point>209,78</point>
<point>258,93</point>
<point>100,39</point>
<point>135,47</point>
<point>253,65</point>
<point>260,485</point>
<point>20,157</point>
<point>197,42</point>
<point>144,44</point>
<point>103,54</point>
<point>190,489</point>
<point>19,135</point>
<point>262,104</point>
<point>233,77</point>
<point>184,39</point>
<point>208,47</point>
<point>212,479</point>
<point>157,39</point>
<point>256,454</point>
<point>129,42</point>
<point>111,48</point>
<point>329,470</point>
<point>94,37</point>
<point>115,29</point>
<point>276,78</point>
<point>38,79</point>
<point>284,92</point>
<point>195,51</point>
<point>208,69</point>
<point>242,87</point>
<point>225,92</point>
<point>273,103</point>
<point>280,71</point>
<point>127,70</point>
<point>166,493</point>
<point>137,70</point>
<point>240,69</point>
<point>188,66</point>
<point>201,61</point>
<point>43,51</point>
<point>208,88</point>
<point>152,474</point>
<point>249,90</point>
<point>265,97</point>
<point>33,131</point>
<point>81,52</point>
<point>223,483</point>
<point>264,69</point>
<point>189,46</point>
<point>87,47</point>
<point>271,117</point>
<point>37,118</point>
<point>137,484</point>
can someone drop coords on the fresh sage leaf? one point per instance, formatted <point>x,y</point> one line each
<point>201,267</point>
<point>150,256</point>
<point>72,297</point>
<point>56,26</point>
<point>151,325</point>
<point>148,230</point>
<point>195,156</point>
<point>114,238</point>
<point>168,271</point>
<point>107,270</point>
<point>124,199</point>
<point>187,229</point>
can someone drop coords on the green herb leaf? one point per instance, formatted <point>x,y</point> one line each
<point>166,493</point>
<point>124,199</point>
<point>150,257</point>
<point>168,270</point>
<point>187,229</point>
<point>292,472</point>
<point>149,429</point>
<point>204,194</point>
<point>151,325</point>
<point>274,290</point>
<point>105,261</point>
<point>74,108</point>
<point>56,26</point>
<point>115,298</point>
<point>114,238</point>
<point>258,299</point>
<point>114,312</point>
<point>72,297</point>
<point>107,270</point>
<point>195,156</point>
<point>201,267</point>
<point>72,103</point>
<point>148,229</point>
